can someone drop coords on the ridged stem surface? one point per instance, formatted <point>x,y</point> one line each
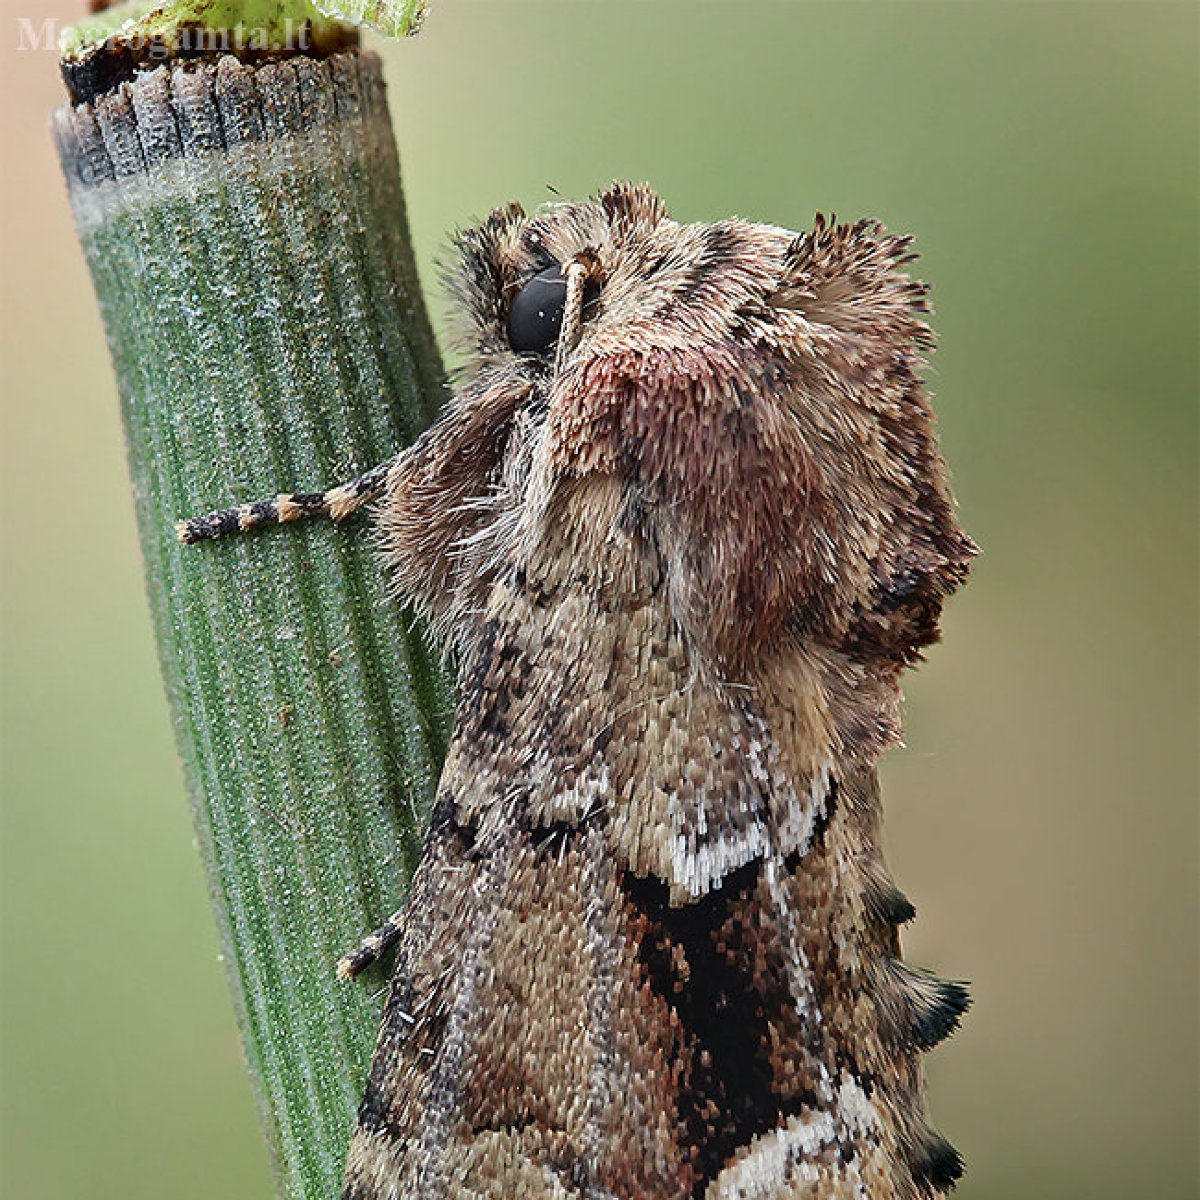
<point>246,234</point>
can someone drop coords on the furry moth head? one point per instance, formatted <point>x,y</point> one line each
<point>754,395</point>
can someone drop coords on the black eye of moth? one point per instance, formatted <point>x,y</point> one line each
<point>535,316</point>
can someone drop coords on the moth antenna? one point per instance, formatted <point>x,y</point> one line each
<point>337,502</point>
<point>579,272</point>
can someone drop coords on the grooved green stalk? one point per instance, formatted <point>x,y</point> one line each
<point>246,235</point>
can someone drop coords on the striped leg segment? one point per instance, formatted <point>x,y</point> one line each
<point>372,948</point>
<point>338,502</point>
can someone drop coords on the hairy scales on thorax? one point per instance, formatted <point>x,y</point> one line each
<point>684,524</point>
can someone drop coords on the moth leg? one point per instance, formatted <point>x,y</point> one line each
<point>338,502</point>
<point>372,948</point>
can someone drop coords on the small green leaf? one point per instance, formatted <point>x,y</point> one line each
<point>392,18</point>
<point>260,25</point>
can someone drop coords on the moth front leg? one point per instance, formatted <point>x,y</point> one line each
<point>372,948</point>
<point>433,497</point>
<point>336,502</point>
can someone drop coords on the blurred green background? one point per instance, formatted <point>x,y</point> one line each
<point>1044,813</point>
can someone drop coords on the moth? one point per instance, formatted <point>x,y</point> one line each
<point>684,524</point>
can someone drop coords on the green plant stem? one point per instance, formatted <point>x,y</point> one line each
<point>246,235</point>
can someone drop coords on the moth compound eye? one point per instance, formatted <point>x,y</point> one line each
<point>535,317</point>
